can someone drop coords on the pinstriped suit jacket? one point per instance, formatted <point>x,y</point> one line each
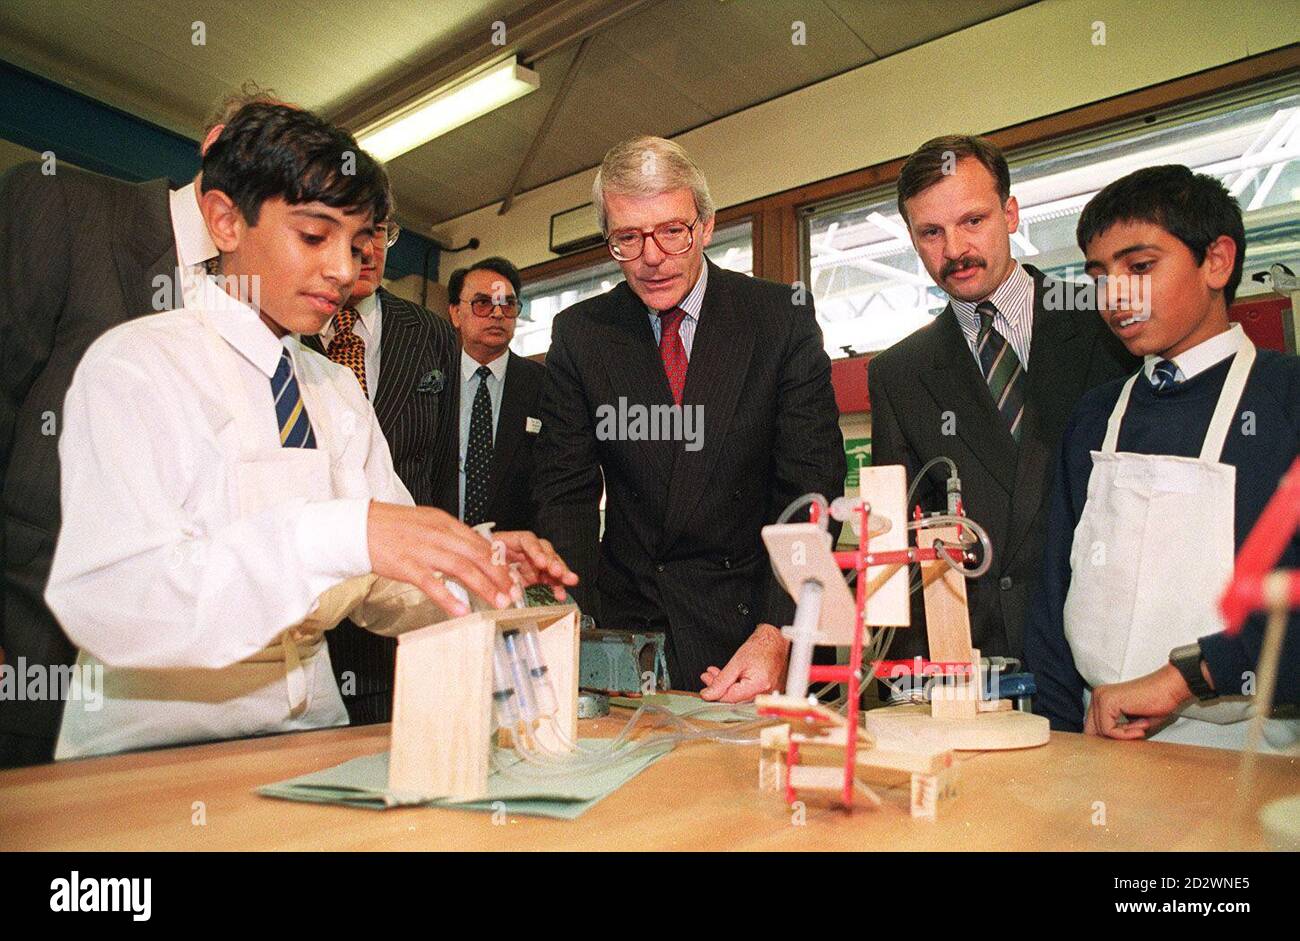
<point>681,551</point>
<point>421,426</point>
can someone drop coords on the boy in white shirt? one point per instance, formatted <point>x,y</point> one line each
<point>227,494</point>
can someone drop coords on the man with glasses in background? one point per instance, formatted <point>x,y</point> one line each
<point>702,399</point>
<point>404,357</point>
<point>498,397</point>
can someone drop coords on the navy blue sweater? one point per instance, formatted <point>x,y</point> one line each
<point>1172,422</point>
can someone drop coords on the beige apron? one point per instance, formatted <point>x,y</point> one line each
<point>290,684</point>
<point>1151,555</point>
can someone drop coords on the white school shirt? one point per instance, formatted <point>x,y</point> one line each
<point>194,245</point>
<point>1201,357</point>
<point>153,568</point>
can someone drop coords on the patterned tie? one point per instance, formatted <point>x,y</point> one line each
<point>1165,375</point>
<point>478,452</point>
<point>290,413</point>
<point>672,351</point>
<point>1002,369</point>
<point>348,348</point>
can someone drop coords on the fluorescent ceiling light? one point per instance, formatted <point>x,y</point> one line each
<point>446,108</point>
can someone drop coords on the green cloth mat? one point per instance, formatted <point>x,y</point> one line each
<point>691,707</point>
<point>363,782</point>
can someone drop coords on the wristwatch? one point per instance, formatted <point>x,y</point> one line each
<point>1187,660</point>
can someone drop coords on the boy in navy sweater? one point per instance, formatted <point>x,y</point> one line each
<point>1160,477</point>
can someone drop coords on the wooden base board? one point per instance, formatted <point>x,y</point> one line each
<point>912,726</point>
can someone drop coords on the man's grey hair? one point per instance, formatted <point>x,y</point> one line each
<point>248,93</point>
<point>648,166</point>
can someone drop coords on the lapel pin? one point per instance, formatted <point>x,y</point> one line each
<point>533,425</point>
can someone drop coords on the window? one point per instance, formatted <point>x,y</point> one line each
<point>871,289</point>
<point>732,248</point>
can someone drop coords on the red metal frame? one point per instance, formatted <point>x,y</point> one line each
<point>1260,552</point>
<point>858,560</point>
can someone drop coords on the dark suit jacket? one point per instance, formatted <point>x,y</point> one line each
<point>681,552</point>
<point>932,372</point>
<point>420,418</point>
<point>80,253</point>
<point>510,487</point>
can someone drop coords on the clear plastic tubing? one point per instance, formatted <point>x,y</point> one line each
<point>803,636</point>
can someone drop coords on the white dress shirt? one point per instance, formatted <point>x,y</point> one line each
<point>469,383</point>
<point>1014,299</point>
<point>154,567</point>
<point>1201,357</point>
<point>368,326</point>
<point>194,245</point>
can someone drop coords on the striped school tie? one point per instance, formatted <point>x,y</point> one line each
<point>1165,375</point>
<point>1002,370</point>
<point>290,413</point>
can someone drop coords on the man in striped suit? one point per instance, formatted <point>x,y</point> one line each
<point>406,359</point>
<point>989,383</point>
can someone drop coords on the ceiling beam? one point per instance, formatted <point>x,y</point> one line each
<point>534,32</point>
<point>560,94</point>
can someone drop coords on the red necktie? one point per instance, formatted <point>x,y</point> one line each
<point>672,351</point>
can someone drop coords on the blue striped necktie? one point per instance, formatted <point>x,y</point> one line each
<point>290,412</point>
<point>1165,375</point>
<point>1002,369</point>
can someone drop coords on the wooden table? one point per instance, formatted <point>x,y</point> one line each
<point>1075,793</point>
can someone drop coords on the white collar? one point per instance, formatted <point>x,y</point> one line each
<point>368,310</point>
<point>1203,355</point>
<point>469,365</point>
<point>243,328</point>
<point>194,243</point>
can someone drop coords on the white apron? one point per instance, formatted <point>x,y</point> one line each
<point>289,685</point>
<point>1151,556</point>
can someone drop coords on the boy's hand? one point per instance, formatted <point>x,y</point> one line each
<point>1144,702</point>
<point>419,544</point>
<point>539,563</point>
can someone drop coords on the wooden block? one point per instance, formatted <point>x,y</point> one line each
<point>925,796</point>
<point>817,777</point>
<point>442,704</point>
<point>885,490</point>
<point>442,710</point>
<point>947,617</point>
<point>911,762</point>
<point>912,726</point>
<point>995,705</point>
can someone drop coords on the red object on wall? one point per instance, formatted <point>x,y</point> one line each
<point>1264,320</point>
<point>849,376</point>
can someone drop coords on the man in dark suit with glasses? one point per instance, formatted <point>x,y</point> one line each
<point>701,401</point>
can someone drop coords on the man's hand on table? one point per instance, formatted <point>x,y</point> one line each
<point>757,667</point>
<point>1144,702</point>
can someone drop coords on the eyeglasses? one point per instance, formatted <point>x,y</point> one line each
<point>673,238</point>
<point>482,305</point>
<point>389,231</point>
